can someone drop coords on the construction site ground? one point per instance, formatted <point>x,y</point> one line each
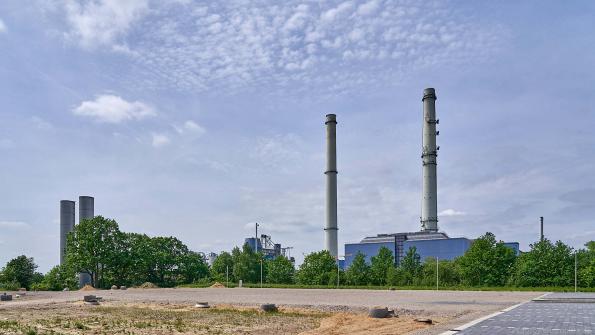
<point>235,311</point>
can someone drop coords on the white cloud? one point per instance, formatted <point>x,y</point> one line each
<point>100,22</point>
<point>328,47</point>
<point>451,212</point>
<point>194,127</point>
<point>160,140</point>
<point>280,152</point>
<point>190,127</point>
<point>13,225</point>
<point>2,26</point>
<point>368,8</point>
<point>114,109</point>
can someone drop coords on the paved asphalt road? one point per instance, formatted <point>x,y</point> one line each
<point>556,313</point>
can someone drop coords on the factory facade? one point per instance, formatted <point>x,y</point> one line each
<point>435,245</point>
<point>429,242</point>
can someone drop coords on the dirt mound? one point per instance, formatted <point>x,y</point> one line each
<point>359,324</point>
<point>217,285</point>
<point>88,288</point>
<point>148,285</point>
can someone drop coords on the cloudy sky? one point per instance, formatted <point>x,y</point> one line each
<point>196,119</point>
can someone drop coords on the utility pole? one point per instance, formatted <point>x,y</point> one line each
<point>575,270</point>
<point>256,239</point>
<point>337,271</point>
<point>227,274</point>
<point>541,220</point>
<point>436,273</point>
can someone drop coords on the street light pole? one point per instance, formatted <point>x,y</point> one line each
<point>436,273</point>
<point>337,271</point>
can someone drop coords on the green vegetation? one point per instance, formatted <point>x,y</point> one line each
<point>112,257</point>
<point>19,272</point>
<point>98,247</point>
<point>318,268</point>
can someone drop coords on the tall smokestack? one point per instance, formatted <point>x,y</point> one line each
<point>429,204</point>
<point>86,208</point>
<point>86,211</point>
<point>66,224</point>
<point>541,221</point>
<point>330,231</point>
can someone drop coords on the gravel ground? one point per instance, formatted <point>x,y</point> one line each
<point>458,307</point>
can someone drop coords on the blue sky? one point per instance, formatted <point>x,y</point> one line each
<point>196,119</point>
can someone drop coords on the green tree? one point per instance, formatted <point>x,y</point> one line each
<point>280,271</point>
<point>222,266</point>
<point>193,267</point>
<point>380,265</point>
<point>546,264</point>
<point>586,265</point>
<point>318,268</point>
<point>246,264</point>
<point>92,247</point>
<point>358,272</point>
<point>487,262</point>
<point>135,260</point>
<point>58,278</point>
<point>168,256</point>
<point>398,276</point>
<point>20,270</point>
<point>411,265</point>
<point>448,273</point>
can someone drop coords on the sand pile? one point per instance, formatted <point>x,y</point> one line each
<point>148,285</point>
<point>359,324</point>
<point>88,288</point>
<point>217,285</point>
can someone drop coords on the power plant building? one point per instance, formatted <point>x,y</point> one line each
<point>435,245</point>
<point>267,247</point>
<point>429,242</point>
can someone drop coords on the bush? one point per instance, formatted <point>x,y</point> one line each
<point>10,286</point>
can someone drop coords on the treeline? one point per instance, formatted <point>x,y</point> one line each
<point>487,263</point>
<point>113,257</point>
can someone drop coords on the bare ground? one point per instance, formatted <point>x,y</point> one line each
<point>307,312</point>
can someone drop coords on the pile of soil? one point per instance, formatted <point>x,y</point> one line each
<point>88,288</point>
<point>148,285</point>
<point>360,324</point>
<point>217,285</point>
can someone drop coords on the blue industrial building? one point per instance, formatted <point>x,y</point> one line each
<point>269,250</point>
<point>427,244</point>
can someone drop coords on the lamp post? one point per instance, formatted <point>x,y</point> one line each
<point>261,273</point>
<point>575,271</point>
<point>338,269</point>
<point>436,273</point>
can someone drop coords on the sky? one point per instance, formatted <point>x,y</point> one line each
<point>196,119</point>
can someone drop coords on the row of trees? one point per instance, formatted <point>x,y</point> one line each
<point>488,263</point>
<point>99,248</point>
<point>111,257</point>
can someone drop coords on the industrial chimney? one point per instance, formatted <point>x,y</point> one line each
<point>66,224</point>
<point>86,208</point>
<point>330,231</point>
<point>86,211</point>
<point>429,204</point>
